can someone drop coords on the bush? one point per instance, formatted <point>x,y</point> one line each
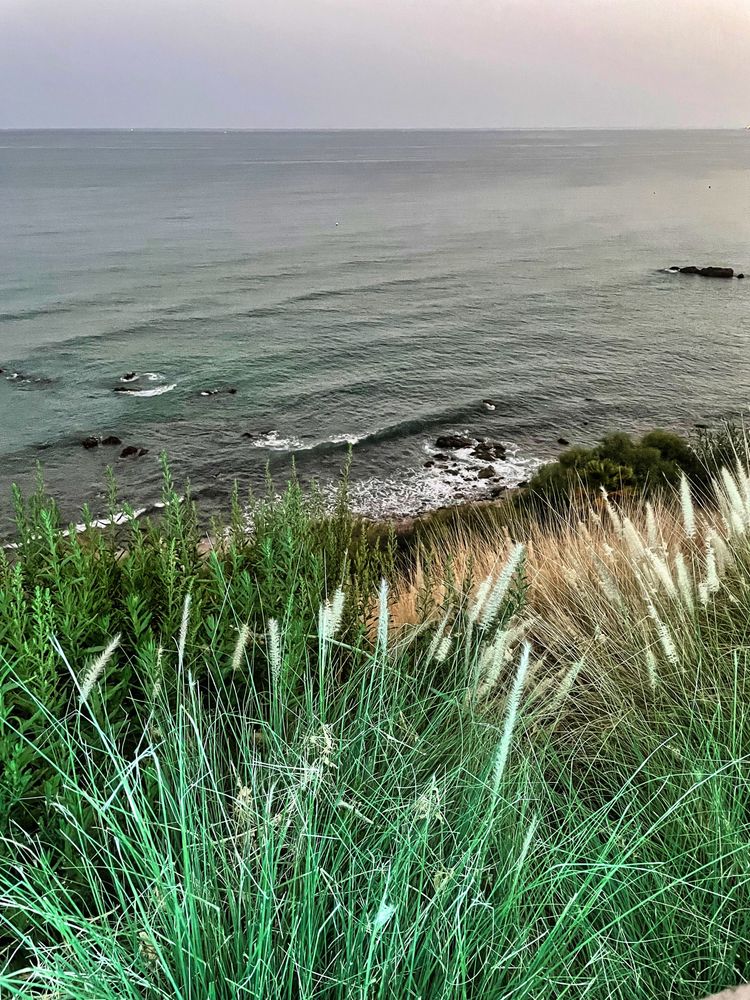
<point>618,465</point>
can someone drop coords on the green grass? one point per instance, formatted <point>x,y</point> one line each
<point>235,802</point>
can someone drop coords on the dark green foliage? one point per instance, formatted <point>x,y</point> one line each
<point>617,464</point>
<point>280,559</point>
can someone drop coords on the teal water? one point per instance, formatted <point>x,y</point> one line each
<point>371,287</point>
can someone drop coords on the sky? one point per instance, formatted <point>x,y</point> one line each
<point>374,63</point>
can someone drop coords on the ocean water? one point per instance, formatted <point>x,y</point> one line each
<point>371,288</point>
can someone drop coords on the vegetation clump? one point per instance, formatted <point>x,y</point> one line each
<point>301,765</point>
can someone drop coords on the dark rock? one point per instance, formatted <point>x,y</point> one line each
<point>717,272</point>
<point>111,440</point>
<point>90,442</point>
<point>740,275</point>
<point>133,451</point>
<point>498,491</point>
<point>429,465</point>
<point>489,451</point>
<point>708,272</point>
<point>130,377</point>
<point>452,472</point>
<point>563,441</point>
<point>440,457</point>
<point>486,473</point>
<point>453,441</point>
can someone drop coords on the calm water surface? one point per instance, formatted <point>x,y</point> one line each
<point>369,287</point>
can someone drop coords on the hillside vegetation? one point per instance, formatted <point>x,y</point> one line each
<point>506,760</point>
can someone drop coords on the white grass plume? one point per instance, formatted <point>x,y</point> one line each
<point>383,616</point>
<point>184,629</point>
<point>274,651</point>
<point>500,589</point>
<point>514,700</point>
<point>612,513</point>
<point>688,510</point>
<point>665,638</point>
<point>685,582</point>
<point>96,669</point>
<point>240,646</point>
<point>663,573</point>
<point>479,600</point>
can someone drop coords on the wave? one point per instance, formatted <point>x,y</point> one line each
<point>158,390</point>
<point>273,440</point>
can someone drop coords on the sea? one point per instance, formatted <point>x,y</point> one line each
<point>257,302</point>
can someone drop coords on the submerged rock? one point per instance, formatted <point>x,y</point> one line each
<point>563,441</point>
<point>90,442</point>
<point>133,451</point>
<point>111,440</point>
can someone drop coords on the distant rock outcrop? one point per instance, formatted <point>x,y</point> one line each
<point>706,272</point>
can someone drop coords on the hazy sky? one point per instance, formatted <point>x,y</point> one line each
<point>374,63</point>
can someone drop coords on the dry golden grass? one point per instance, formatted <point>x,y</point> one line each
<point>596,579</point>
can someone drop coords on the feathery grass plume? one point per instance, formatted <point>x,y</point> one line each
<point>383,615</point>
<point>663,573</point>
<point>609,586</point>
<point>612,513</point>
<point>184,629</point>
<point>632,538</point>
<point>724,557</point>
<point>438,638</point>
<point>274,651</point>
<point>652,532</point>
<point>685,582</point>
<point>479,599</point>
<point>96,669</point>
<point>688,510</point>
<point>744,482</point>
<point>330,615</point>
<point>492,664</point>
<point>713,583</point>
<point>495,599</point>
<point>444,648</point>
<point>736,501</point>
<point>240,645</point>
<point>514,700</point>
<point>566,685</point>
<point>337,612</point>
<point>665,639</point>
<point>651,667</point>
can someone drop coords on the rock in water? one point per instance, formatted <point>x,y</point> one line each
<point>717,272</point>
<point>486,473</point>
<point>453,441</point>
<point>111,440</point>
<point>707,272</point>
<point>90,442</point>
<point>133,451</point>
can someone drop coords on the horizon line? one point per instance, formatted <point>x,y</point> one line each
<point>365,128</point>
